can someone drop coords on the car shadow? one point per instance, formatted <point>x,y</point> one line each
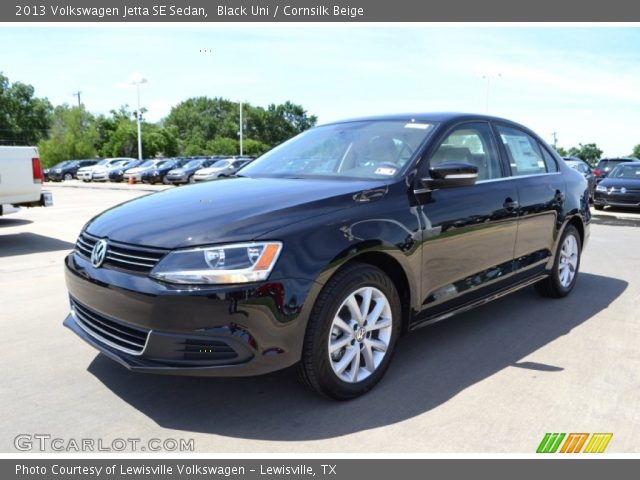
<point>25,243</point>
<point>14,222</point>
<point>431,366</point>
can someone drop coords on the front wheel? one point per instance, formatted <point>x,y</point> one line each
<point>68,176</point>
<point>565,268</point>
<point>351,333</point>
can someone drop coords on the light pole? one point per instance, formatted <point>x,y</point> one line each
<point>137,82</point>
<point>488,78</point>
<point>241,129</point>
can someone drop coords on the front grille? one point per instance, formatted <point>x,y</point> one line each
<point>120,255</point>
<point>208,350</point>
<point>126,338</point>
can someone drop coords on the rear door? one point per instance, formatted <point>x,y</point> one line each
<point>469,232</point>
<point>541,193</point>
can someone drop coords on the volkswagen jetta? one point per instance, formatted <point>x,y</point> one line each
<point>327,248</point>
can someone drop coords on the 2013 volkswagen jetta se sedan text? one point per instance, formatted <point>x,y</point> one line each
<point>327,248</point>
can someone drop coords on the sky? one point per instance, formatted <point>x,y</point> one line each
<point>581,82</point>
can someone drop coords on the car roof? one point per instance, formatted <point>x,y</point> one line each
<point>427,117</point>
<point>619,159</point>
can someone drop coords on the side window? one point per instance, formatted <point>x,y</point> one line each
<point>470,143</point>
<point>525,156</point>
<point>550,162</point>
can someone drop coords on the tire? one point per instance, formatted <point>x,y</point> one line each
<point>598,207</point>
<point>561,282</point>
<point>191,179</point>
<point>68,176</point>
<point>321,370</point>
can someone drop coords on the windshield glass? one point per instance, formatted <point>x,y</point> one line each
<point>167,164</point>
<point>193,164</point>
<point>220,164</point>
<point>626,171</point>
<point>363,149</point>
<point>147,163</point>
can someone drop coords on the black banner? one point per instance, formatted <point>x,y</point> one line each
<point>370,469</point>
<point>317,11</point>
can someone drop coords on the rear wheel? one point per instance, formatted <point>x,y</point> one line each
<point>191,179</point>
<point>352,333</point>
<point>565,268</point>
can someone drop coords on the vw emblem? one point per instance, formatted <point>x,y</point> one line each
<point>99,253</point>
<point>623,190</point>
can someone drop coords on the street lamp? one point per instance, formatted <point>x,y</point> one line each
<point>137,81</point>
<point>241,129</point>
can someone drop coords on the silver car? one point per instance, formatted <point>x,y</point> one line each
<point>222,168</point>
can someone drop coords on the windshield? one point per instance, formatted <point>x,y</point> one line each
<point>221,164</point>
<point>193,164</point>
<point>167,164</point>
<point>362,149</point>
<point>626,171</point>
<point>147,163</point>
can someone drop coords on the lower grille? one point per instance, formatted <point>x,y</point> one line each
<point>125,338</point>
<point>122,256</point>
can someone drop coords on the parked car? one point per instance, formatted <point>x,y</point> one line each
<point>86,173</point>
<point>327,248</point>
<point>158,174</point>
<point>100,173</point>
<point>184,174</point>
<point>136,172</point>
<point>621,188</point>
<point>584,168</point>
<point>69,170</point>
<point>21,180</point>
<point>222,168</point>
<point>116,174</point>
<point>46,171</point>
<point>605,165</point>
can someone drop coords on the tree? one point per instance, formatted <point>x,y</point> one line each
<point>589,152</point>
<point>636,151</point>
<point>73,135</point>
<point>561,151</point>
<point>24,118</point>
<point>222,146</point>
<point>284,121</point>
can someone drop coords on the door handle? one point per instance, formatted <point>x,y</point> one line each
<point>510,204</point>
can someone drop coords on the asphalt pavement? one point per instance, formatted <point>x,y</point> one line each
<point>492,380</point>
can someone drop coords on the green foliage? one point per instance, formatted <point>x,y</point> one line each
<point>636,151</point>
<point>24,119</point>
<point>73,135</point>
<point>561,151</point>
<point>589,152</point>
<point>222,146</point>
<point>201,122</point>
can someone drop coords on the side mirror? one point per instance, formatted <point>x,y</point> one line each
<point>450,174</point>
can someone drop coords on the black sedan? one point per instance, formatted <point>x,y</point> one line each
<point>323,251</point>
<point>621,188</point>
<point>69,169</point>
<point>116,174</point>
<point>184,174</point>
<point>159,173</point>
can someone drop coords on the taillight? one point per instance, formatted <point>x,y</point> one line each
<point>597,173</point>
<point>37,170</point>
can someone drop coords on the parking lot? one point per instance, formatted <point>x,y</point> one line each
<point>492,380</point>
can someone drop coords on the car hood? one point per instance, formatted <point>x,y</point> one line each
<point>138,169</point>
<point>620,182</point>
<point>231,209</point>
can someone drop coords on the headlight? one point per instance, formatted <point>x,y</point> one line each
<point>601,188</point>
<point>120,172</point>
<point>155,172</point>
<point>237,263</point>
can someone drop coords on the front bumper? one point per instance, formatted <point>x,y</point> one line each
<point>149,326</point>
<point>617,199</point>
<point>148,178</point>
<point>177,178</point>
